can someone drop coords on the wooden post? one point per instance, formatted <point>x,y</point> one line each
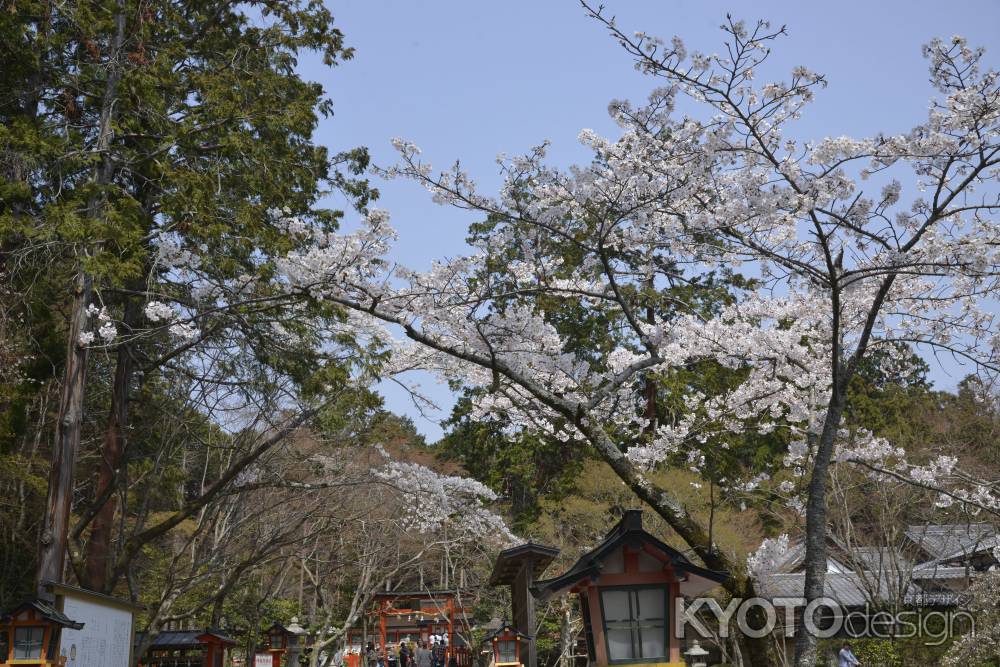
<point>382,632</point>
<point>597,625</point>
<point>523,608</point>
<point>517,567</point>
<point>451,632</point>
<point>675,647</point>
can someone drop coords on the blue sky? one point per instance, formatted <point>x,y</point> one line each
<point>466,80</point>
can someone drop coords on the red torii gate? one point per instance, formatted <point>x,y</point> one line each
<point>387,610</point>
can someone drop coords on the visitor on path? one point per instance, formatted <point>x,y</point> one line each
<point>391,656</point>
<point>370,656</point>
<point>423,655</point>
<point>438,654</point>
<point>847,658</point>
<point>404,655</point>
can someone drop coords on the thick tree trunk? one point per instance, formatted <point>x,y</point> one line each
<point>98,565</point>
<point>816,523</point>
<point>55,523</point>
<point>55,526</point>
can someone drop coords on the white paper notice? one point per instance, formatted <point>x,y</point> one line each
<point>106,637</point>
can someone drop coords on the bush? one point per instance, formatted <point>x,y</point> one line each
<point>876,652</point>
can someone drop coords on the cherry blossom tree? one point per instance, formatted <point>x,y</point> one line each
<point>982,646</point>
<point>840,264</point>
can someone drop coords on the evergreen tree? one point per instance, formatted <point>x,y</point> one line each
<point>157,157</point>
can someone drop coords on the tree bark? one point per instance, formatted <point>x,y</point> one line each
<point>816,522</point>
<point>98,558</point>
<point>816,507</point>
<point>55,523</point>
<point>55,527</point>
<point>567,638</point>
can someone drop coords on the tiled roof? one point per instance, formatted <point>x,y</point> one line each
<point>628,531</point>
<point>167,639</point>
<point>46,611</point>
<point>510,561</point>
<point>948,541</point>
<point>937,571</point>
<point>880,559</point>
<point>849,589</point>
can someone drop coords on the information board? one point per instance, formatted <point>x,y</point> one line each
<point>105,639</point>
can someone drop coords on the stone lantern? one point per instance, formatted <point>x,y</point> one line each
<point>297,640</point>
<point>696,655</point>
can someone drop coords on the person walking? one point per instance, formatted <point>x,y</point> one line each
<point>438,654</point>
<point>422,658</point>
<point>370,657</point>
<point>846,657</point>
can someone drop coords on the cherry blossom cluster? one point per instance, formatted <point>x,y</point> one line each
<point>435,501</point>
<point>940,475</point>
<point>854,245</point>
<point>771,553</point>
<point>106,330</point>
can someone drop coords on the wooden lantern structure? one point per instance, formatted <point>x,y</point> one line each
<point>506,644</point>
<point>627,587</point>
<point>29,634</point>
<point>285,643</point>
<point>278,638</point>
<point>519,567</point>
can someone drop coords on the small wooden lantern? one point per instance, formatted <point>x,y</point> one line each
<point>506,643</point>
<point>29,635</point>
<point>278,638</point>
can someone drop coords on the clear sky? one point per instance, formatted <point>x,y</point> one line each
<point>466,80</point>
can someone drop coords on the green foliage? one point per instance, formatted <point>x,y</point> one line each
<point>249,614</point>
<point>880,652</point>
<point>24,480</point>
<point>208,131</point>
<point>520,466</point>
<point>884,393</point>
